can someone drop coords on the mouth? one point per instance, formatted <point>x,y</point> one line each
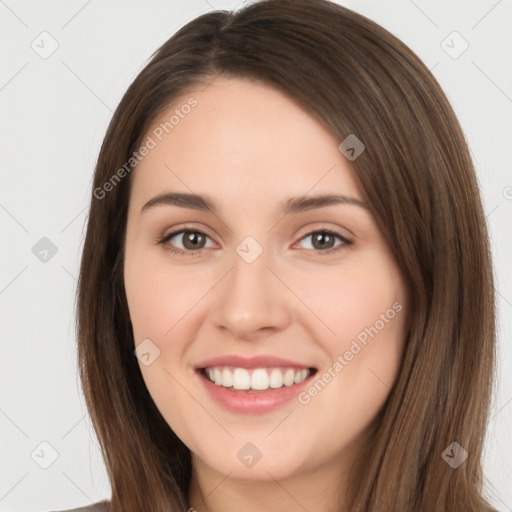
<point>253,386</point>
<point>255,380</point>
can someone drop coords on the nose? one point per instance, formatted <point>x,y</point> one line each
<point>252,300</point>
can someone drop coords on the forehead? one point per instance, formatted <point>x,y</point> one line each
<point>237,136</point>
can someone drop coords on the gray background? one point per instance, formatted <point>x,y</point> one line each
<point>54,113</point>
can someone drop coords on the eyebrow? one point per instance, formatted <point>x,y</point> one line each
<point>291,205</point>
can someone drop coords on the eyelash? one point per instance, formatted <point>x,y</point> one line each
<point>163,240</point>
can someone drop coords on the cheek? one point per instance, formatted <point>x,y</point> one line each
<point>364,306</point>
<point>352,298</point>
<point>159,301</point>
<point>159,296</point>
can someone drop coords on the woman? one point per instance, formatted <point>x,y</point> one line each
<point>286,295</point>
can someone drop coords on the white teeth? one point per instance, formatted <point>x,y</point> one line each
<point>241,379</point>
<point>289,377</point>
<point>227,378</point>
<point>258,379</point>
<point>276,378</point>
<point>301,375</point>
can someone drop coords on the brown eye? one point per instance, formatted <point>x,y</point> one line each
<point>193,240</point>
<point>324,241</point>
<point>184,241</point>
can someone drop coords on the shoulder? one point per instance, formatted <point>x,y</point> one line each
<point>101,506</point>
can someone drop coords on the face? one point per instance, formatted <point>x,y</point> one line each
<point>294,308</point>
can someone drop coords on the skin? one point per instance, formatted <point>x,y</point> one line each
<point>249,147</point>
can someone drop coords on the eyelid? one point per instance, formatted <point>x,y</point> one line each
<point>337,232</point>
<point>180,230</point>
<point>345,242</point>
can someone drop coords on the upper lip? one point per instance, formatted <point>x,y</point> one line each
<point>250,362</point>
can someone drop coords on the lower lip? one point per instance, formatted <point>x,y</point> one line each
<point>257,402</point>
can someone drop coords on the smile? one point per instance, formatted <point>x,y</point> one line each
<point>254,385</point>
<point>256,379</point>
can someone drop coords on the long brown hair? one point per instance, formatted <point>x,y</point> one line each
<point>418,179</point>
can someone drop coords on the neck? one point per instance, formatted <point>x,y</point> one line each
<point>321,490</point>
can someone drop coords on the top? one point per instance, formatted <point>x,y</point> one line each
<point>100,506</point>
